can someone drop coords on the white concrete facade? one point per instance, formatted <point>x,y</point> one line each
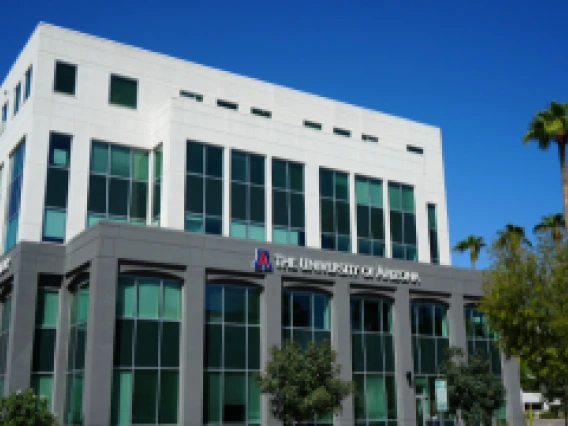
<point>163,117</point>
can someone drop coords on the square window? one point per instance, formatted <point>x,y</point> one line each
<point>193,223</point>
<point>59,150</point>
<point>256,232</point>
<point>238,229</point>
<point>123,91</point>
<point>65,78</point>
<point>280,236</point>
<point>364,246</point>
<point>213,226</point>
<point>54,222</point>
<point>56,187</point>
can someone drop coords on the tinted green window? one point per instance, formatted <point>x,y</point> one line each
<point>14,195</point>
<point>288,202</point>
<point>370,219</point>
<point>65,78</point>
<point>334,211</point>
<point>403,222</point>
<point>123,91</point>
<point>157,189</point>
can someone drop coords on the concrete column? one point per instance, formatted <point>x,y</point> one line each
<point>512,382</point>
<point>311,183</point>
<point>353,212</point>
<point>386,212</point>
<point>341,341</point>
<point>268,195</point>
<point>456,322</point>
<point>61,352</point>
<point>226,191</point>
<point>192,346</point>
<point>405,395</point>
<point>22,324</point>
<point>271,326</point>
<point>100,341</point>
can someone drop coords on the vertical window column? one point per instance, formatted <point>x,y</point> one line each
<point>17,98</point>
<point>433,234</point>
<point>28,87</point>
<point>204,188</point>
<point>4,339</point>
<point>147,352</point>
<point>43,360</point>
<point>248,198</point>
<point>76,358</point>
<point>373,361</point>
<point>288,209</point>
<point>4,117</point>
<point>370,216</point>
<point>402,221</point>
<point>15,196</point>
<point>334,211</point>
<point>157,192</point>
<point>56,188</point>
<point>232,355</point>
<point>118,184</point>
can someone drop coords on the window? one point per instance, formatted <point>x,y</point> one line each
<point>288,210</point>
<point>373,360</point>
<point>248,199</point>
<point>232,355</point>
<point>429,325</point>
<point>369,138</point>
<point>402,221</point>
<point>204,188</point>
<point>191,95</point>
<point>414,149</point>
<point>312,125</point>
<point>43,360</point>
<point>335,218</point>
<point>28,88</point>
<point>157,193</point>
<point>56,188</point>
<point>480,340</point>
<point>123,91</point>
<point>145,386</point>
<point>306,318</point>
<point>118,184</point>
<point>65,78</point>
<point>370,217</point>
<point>15,195</point>
<point>433,233</point>
<point>17,97</point>
<point>227,104</point>
<point>342,132</point>
<point>76,356</point>
<point>261,112</point>
<point>5,339</point>
<point>4,117</point>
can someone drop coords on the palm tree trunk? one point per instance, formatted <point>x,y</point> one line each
<point>562,157</point>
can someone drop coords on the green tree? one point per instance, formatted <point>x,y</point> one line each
<point>526,300</point>
<point>472,243</point>
<point>25,409</point>
<point>512,236</point>
<point>303,383</point>
<point>551,126</point>
<point>553,223</point>
<point>474,392</point>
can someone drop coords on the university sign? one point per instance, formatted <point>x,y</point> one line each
<point>324,267</point>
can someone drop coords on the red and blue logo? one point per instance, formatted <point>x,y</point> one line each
<point>262,260</point>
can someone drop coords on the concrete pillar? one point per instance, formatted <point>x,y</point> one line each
<point>456,322</point>
<point>341,341</point>
<point>61,352</point>
<point>192,346</point>
<point>271,326</point>
<point>100,341</point>
<point>405,395</point>
<point>512,382</point>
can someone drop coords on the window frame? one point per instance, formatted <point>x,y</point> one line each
<point>76,69</point>
<point>124,78</point>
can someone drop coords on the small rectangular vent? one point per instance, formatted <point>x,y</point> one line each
<point>369,138</point>
<point>414,149</point>
<point>312,125</point>
<point>227,104</point>
<point>191,95</point>
<point>342,132</point>
<point>261,112</point>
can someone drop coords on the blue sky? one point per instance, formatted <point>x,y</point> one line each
<point>477,69</point>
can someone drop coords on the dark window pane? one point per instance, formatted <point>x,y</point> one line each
<point>328,242</point>
<point>139,200</point>
<point>327,216</point>
<point>65,77</point>
<point>144,396</point>
<point>302,337</point>
<point>326,183</point>
<point>386,313</point>
<point>56,187</point>
<point>425,320</point>
<point>254,348</point>
<point>377,225</point>
<point>169,399</point>
<point>194,194</point>
<point>359,396</point>
<point>119,161</point>
<point>396,226</point>
<point>302,308</point>
<point>356,315</point>
<point>234,398</point>
<point>235,305</point>
<point>118,196</point>
<point>157,198</point>
<point>239,201</point>
<point>123,91</point>
<point>279,174</point>
<point>441,351</point>
<point>212,409</point>
<point>357,348</point>
<point>391,398</point>
<point>257,204</point>
<point>343,223</point>
<point>123,343</point>
<point>374,352</point>
<point>297,212</point>
<point>439,321</point>
<point>371,315</point>
<point>213,197</point>
<point>239,167</point>
<point>280,208</point>
<point>378,249</point>
<point>44,350</point>
<point>341,186</point>
<point>170,344</point>
<point>363,221</point>
<point>286,309</point>
<point>194,157</point>
<point>59,150</point>
<point>146,352</point>
<point>398,252</point>
<point>296,177</point>
<point>409,229</point>
<point>97,194</point>
<point>213,345</point>
<point>213,303</point>
<point>427,355</point>
<point>80,349</point>
<point>364,246</point>
<point>213,226</point>
<point>389,353</point>
<point>253,306</point>
<point>257,169</point>
<point>214,161</point>
<point>321,313</point>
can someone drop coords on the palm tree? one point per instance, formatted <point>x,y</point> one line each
<point>511,234</point>
<point>472,243</point>
<point>551,126</point>
<point>552,223</point>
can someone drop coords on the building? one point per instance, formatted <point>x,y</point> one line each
<point>306,218</point>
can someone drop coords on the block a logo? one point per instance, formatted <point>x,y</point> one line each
<point>262,260</point>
